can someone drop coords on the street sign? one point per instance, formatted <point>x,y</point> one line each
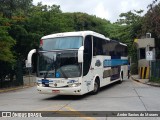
<point>149,55</point>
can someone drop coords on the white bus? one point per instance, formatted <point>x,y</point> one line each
<point>75,63</point>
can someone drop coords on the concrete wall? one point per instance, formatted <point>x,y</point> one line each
<point>143,43</point>
<point>146,43</point>
<point>29,80</point>
<point>143,65</point>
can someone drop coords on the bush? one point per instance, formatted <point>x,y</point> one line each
<point>134,68</point>
<point>154,79</point>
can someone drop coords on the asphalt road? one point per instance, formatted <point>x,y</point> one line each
<point>128,96</point>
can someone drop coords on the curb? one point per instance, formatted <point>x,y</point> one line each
<point>147,83</point>
<point>14,88</point>
<point>135,79</point>
<point>153,84</point>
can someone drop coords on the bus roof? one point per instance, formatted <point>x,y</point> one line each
<point>78,33</point>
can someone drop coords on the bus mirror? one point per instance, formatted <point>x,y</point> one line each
<point>29,58</point>
<point>28,65</point>
<point>80,54</point>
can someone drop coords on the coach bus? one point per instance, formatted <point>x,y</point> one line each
<point>75,63</point>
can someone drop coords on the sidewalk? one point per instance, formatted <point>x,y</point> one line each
<point>144,81</point>
<point>14,88</point>
<point>28,81</point>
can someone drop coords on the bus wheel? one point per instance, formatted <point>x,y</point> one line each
<point>96,87</point>
<point>121,78</point>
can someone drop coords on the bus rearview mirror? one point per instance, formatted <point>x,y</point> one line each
<point>80,54</point>
<point>29,58</point>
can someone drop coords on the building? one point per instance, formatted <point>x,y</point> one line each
<point>146,53</point>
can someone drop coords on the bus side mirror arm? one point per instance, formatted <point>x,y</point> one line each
<point>80,54</point>
<point>29,58</point>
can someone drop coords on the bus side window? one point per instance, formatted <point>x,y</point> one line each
<point>97,46</point>
<point>87,54</point>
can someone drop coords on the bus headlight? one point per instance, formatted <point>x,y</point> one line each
<point>74,85</point>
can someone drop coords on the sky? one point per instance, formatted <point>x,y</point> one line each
<point>107,9</point>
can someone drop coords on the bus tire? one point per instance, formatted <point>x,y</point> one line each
<point>121,78</point>
<point>96,87</point>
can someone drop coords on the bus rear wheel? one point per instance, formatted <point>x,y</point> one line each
<point>96,87</point>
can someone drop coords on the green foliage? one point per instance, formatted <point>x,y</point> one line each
<point>151,24</point>
<point>126,29</point>
<point>6,42</point>
<point>130,18</point>
<point>134,68</point>
<point>154,79</point>
<point>10,7</point>
<point>7,58</point>
<point>22,24</point>
<point>133,22</point>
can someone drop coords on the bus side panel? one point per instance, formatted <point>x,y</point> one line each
<point>98,69</point>
<point>124,68</point>
<point>115,72</point>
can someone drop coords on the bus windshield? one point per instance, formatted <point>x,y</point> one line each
<point>62,43</point>
<point>62,64</point>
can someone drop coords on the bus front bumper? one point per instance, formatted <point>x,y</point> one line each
<point>60,91</point>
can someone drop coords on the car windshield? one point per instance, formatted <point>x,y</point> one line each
<point>62,64</point>
<point>62,43</point>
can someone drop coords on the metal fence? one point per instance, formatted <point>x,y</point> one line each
<point>17,76</point>
<point>155,69</point>
<point>25,80</point>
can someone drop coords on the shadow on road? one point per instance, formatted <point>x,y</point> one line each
<point>82,97</point>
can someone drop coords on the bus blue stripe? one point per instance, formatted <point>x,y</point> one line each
<point>46,81</point>
<point>114,62</point>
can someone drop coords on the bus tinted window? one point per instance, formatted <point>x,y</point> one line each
<point>61,43</point>
<point>121,50</point>
<point>112,48</point>
<point>99,46</point>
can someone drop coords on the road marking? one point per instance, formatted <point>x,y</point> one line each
<point>50,107</point>
<point>77,113</point>
<point>80,114</point>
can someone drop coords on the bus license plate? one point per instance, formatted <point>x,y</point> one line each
<point>55,91</point>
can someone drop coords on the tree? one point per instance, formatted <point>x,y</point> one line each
<point>6,42</point>
<point>9,7</point>
<point>151,24</point>
<point>7,58</point>
<point>126,29</point>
